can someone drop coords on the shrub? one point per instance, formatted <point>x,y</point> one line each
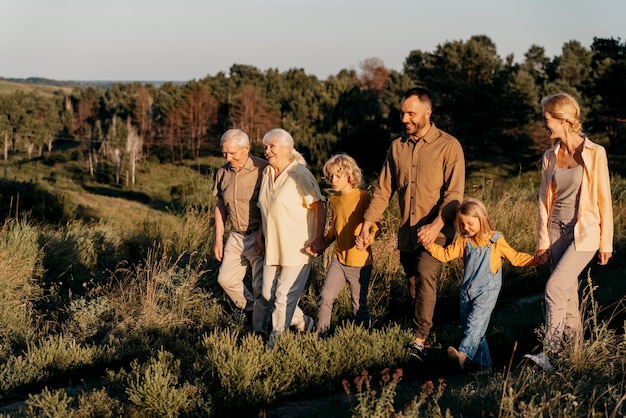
<point>154,389</point>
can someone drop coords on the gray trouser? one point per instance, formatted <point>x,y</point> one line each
<point>336,278</point>
<point>562,306</point>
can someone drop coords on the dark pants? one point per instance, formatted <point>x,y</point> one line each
<point>422,271</point>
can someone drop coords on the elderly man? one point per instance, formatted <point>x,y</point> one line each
<point>425,167</point>
<point>237,189</point>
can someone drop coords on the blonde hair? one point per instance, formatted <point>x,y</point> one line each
<point>565,107</point>
<point>283,137</point>
<point>474,207</point>
<point>343,164</point>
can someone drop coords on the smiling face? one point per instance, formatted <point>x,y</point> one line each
<point>236,155</point>
<point>415,116</point>
<point>277,154</point>
<point>554,126</point>
<point>469,225</point>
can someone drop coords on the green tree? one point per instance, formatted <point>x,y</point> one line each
<point>608,104</point>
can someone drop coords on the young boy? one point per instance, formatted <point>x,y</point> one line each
<point>349,263</point>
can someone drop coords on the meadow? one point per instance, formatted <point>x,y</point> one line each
<point>114,310</point>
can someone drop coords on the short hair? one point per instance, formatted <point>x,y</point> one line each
<point>421,93</point>
<point>237,136</point>
<point>474,207</point>
<point>565,107</point>
<point>343,164</point>
<point>284,138</point>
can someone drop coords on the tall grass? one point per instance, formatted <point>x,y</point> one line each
<point>102,320</point>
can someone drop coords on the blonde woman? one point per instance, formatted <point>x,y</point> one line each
<point>575,218</point>
<point>293,216</point>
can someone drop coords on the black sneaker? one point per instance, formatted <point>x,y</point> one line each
<point>418,351</point>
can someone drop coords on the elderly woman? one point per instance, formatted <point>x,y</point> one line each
<point>575,219</point>
<point>293,217</point>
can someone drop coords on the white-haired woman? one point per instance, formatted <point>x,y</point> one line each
<point>293,216</point>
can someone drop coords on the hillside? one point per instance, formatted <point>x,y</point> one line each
<point>9,87</point>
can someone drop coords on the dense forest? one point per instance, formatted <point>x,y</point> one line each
<point>491,104</point>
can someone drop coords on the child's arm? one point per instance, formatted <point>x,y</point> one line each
<point>449,253</point>
<point>514,257</point>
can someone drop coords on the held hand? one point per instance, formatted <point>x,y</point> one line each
<point>362,241</point>
<point>218,250</point>
<point>315,247</point>
<point>542,257</point>
<point>603,258</point>
<point>427,234</point>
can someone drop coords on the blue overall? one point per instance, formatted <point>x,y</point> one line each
<point>479,293</point>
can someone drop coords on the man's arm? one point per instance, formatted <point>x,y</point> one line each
<point>316,247</point>
<point>453,188</point>
<point>383,192</point>
<point>220,220</point>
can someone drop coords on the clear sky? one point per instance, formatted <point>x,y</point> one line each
<point>181,40</point>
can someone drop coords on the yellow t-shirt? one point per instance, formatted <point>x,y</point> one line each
<point>346,223</point>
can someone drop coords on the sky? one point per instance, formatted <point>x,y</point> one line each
<point>182,40</point>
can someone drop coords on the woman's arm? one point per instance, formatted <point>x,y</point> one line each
<point>316,247</point>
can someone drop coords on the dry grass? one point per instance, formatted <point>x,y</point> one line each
<point>8,87</point>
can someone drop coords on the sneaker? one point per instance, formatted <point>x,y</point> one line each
<point>307,325</point>
<point>541,360</point>
<point>454,355</point>
<point>418,351</point>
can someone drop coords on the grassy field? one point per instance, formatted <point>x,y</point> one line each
<point>7,87</point>
<point>115,311</point>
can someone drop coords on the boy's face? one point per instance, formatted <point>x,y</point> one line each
<point>469,225</point>
<point>340,182</point>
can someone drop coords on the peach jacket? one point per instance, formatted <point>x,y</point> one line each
<point>594,223</point>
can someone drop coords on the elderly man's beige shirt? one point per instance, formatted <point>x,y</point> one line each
<point>239,190</point>
<point>429,177</point>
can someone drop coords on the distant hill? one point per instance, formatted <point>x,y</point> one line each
<point>70,84</point>
<point>8,87</point>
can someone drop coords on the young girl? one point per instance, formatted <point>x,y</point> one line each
<point>348,264</point>
<point>482,250</point>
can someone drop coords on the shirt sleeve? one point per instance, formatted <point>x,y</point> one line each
<point>308,186</point>
<point>543,239</point>
<point>514,257</point>
<point>605,204</point>
<point>454,182</point>
<point>449,253</point>
<point>216,180</point>
<point>383,191</point>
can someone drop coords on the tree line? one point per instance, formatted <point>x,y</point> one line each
<point>491,104</point>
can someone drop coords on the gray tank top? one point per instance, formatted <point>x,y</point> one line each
<point>567,183</point>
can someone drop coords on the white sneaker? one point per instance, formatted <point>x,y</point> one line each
<point>541,360</point>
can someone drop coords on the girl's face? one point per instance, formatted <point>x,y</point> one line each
<point>469,225</point>
<point>340,182</point>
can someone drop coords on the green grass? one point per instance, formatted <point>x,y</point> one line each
<point>116,312</point>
